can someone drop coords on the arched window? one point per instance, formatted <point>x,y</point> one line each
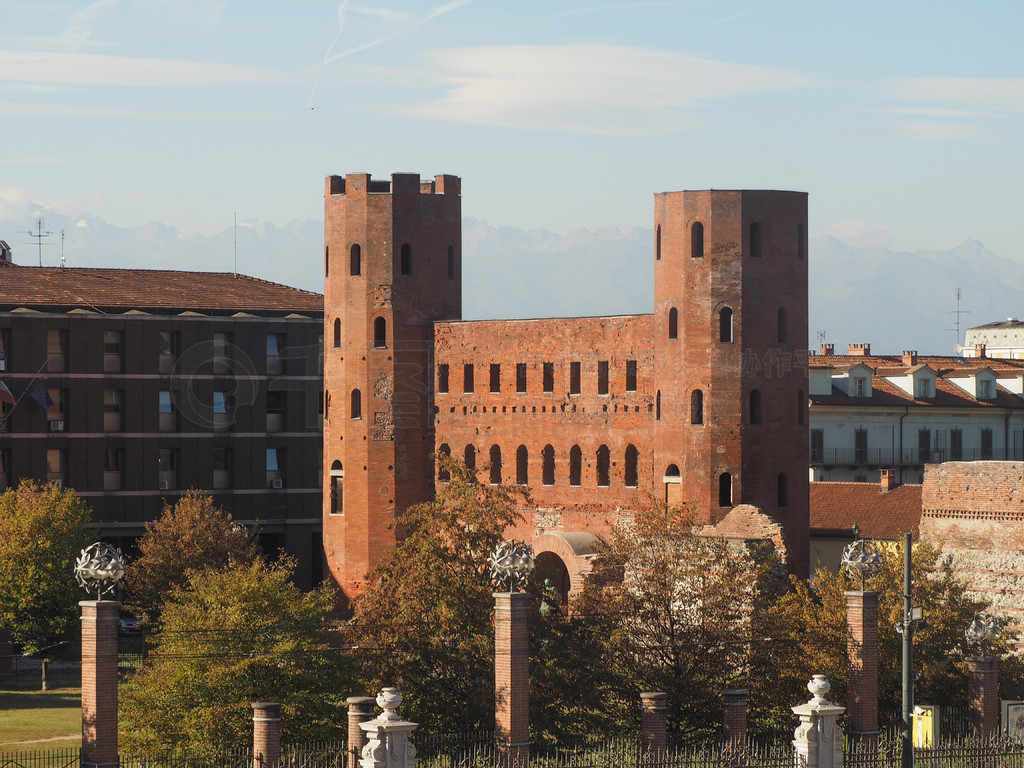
<point>725,490</point>
<point>696,407</point>
<point>783,331</point>
<point>548,466</point>
<point>337,332</point>
<point>801,240</point>
<point>603,466</point>
<point>337,489</point>
<point>755,239</point>
<point>657,406</point>
<point>380,332</point>
<point>672,474</point>
<point>755,406</point>
<point>631,469</point>
<point>783,490</point>
<point>327,260</point>
<point>469,457</point>
<point>575,465</point>
<point>495,465</point>
<point>657,243</point>
<point>725,325</point>
<point>405,260</point>
<point>697,240</point>
<point>355,410</point>
<point>801,404</point>
<point>451,262</point>
<point>522,465</point>
<point>355,260</point>
<point>443,475</point>
<point>673,323</point>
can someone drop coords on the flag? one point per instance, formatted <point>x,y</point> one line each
<point>40,395</point>
<point>5,395</point>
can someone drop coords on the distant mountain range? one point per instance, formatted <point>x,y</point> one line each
<point>894,300</point>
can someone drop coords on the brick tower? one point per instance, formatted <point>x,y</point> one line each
<point>392,265</point>
<point>730,320</point>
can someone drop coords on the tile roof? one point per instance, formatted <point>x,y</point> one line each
<point>943,364</point>
<point>164,291</point>
<point>835,507</point>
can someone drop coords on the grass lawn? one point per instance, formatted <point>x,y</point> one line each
<point>27,717</point>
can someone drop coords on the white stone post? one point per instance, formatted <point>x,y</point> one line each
<point>388,744</point>
<point>818,740</point>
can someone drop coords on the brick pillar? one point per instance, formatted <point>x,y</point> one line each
<point>99,683</point>
<point>6,659</point>
<point>734,717</point>
<point>266,734</point>
<point>983,695</point>
<point>652,724</point>
<point>360,709</point>
<point>512,676</point>
<point>862,656</point>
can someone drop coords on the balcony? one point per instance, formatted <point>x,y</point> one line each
<point>883,457</point>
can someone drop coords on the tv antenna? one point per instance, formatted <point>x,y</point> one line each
<point>62,248</point>
<point>956,318</point>
<point>39,235</point>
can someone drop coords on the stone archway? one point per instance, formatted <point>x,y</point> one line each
<point>566,558</point>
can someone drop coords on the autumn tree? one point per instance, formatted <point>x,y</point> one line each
<point>808,631</point>
<point>43,529</point>
<point>674,610</point>
<point>424,622</point>
<point>231,636</point>
<point>193,533</point>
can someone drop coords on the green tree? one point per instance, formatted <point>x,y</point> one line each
<point>193,533</point>
<point>43,529</point>
<point>424,621</point>
<point>674,609</point>
<point>229,637</point>
<point>808,628</point>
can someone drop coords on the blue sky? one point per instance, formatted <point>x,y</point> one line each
<point>903,120</point>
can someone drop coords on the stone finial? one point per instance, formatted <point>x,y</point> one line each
<point>388,744</point>
<point>818,739</point>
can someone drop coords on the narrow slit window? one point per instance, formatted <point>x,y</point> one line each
<point>632,466</point>
<point>574,378</point>
<point>520,377</point>
<point>603,466</point>
<point>725,490</point>
<point>380,333</point>
<point>657,243</point>
<point>337,332</point>
<point>697,240</point>
<point>442,378</point>
<point>602,377</point>
<point>495,377</point>
<point>467,378</point>
<point>495,465</point>
<point>783,490</point>
<point>548,465</point>
<point>697,407</point>
<point>469,456</point>
<point>575,465</point>
<point>631,375</point>
<point>356,406</point>
<point>443,474</point>
<point>355,260</point>
<point>405,259</point>
<point>755,239</point>
<point>725,325</point>
<point>549,377</point>
<point>522,465</point>
<point>755,406</point>
<point>673,323</point>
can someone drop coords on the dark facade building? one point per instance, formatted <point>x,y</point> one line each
<point>703,402</point>
<point>132,386</point>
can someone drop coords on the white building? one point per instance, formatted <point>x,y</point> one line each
<point>1001,340</point>
<point>872,412</point>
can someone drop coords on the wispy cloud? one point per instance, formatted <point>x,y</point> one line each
<point>25,109</point>
<point>997,94</point>
<point>72,69</point>
<point>589,88</point>
<point>936,130</point>
<point>79,29</point>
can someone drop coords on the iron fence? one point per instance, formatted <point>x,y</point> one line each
<point>50,758</point>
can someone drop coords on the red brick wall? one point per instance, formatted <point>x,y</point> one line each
<point>99,682</point>
<point>512,675</point>
<point>734,717</point>
<point>266,734</point>
<point>983,696</point>
<point>862,656</point>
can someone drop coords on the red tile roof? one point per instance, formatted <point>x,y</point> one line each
<point>164,291</point>
<point>835,507</point>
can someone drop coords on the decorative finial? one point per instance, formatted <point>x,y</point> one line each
<point>511,564</point>
<point>100,567</point>
<point>819,686</point>
<point>983,630</point>
<point>863,560</point>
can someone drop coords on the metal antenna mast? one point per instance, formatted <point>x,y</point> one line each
<point>39,235</point>
<point>956,318</point>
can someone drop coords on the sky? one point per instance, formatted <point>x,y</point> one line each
<point>903,120</point>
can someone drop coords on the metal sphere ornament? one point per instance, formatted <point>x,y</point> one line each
<point>860,559</point>
<point>99,568</point>
<point>983,630</point>
<point>511,564</point>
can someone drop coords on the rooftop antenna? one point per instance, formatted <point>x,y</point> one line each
<point>39,235</point>
<point>236,243</point>
<point>62,263</point>
<point>956,320</point>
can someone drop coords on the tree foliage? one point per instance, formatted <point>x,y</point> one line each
<point>193,533</point>
<point>424,622</point>
<point>675,610</point>
<point>43,529</point>
<point>809,628</point>
<point>232,636</point>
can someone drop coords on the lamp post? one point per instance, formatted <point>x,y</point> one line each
<point>911,615</point>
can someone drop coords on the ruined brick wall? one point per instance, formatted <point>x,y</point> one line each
<point>974,511</point>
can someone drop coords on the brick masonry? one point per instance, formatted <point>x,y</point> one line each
<point>734,717</point>
<point>862,657</point>
<point>360,709</point>
<point>653,734</point>
<point>702,402</point>
<point>99,683</point>
<point>266,734</point>
<point>512,676</point>
<point>974,511</point>
<point>983,696</point>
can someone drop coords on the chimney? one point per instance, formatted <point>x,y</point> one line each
<point>888,480</point>
<point>979,350</point>
<point>909,357</point>
<point>860,350</point>
<point>828,349</point>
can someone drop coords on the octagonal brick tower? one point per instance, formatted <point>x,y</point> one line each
<point>730,322</point>
<point>392,265</point>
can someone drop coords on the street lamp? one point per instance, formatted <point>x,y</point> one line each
<point>912,615</point>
